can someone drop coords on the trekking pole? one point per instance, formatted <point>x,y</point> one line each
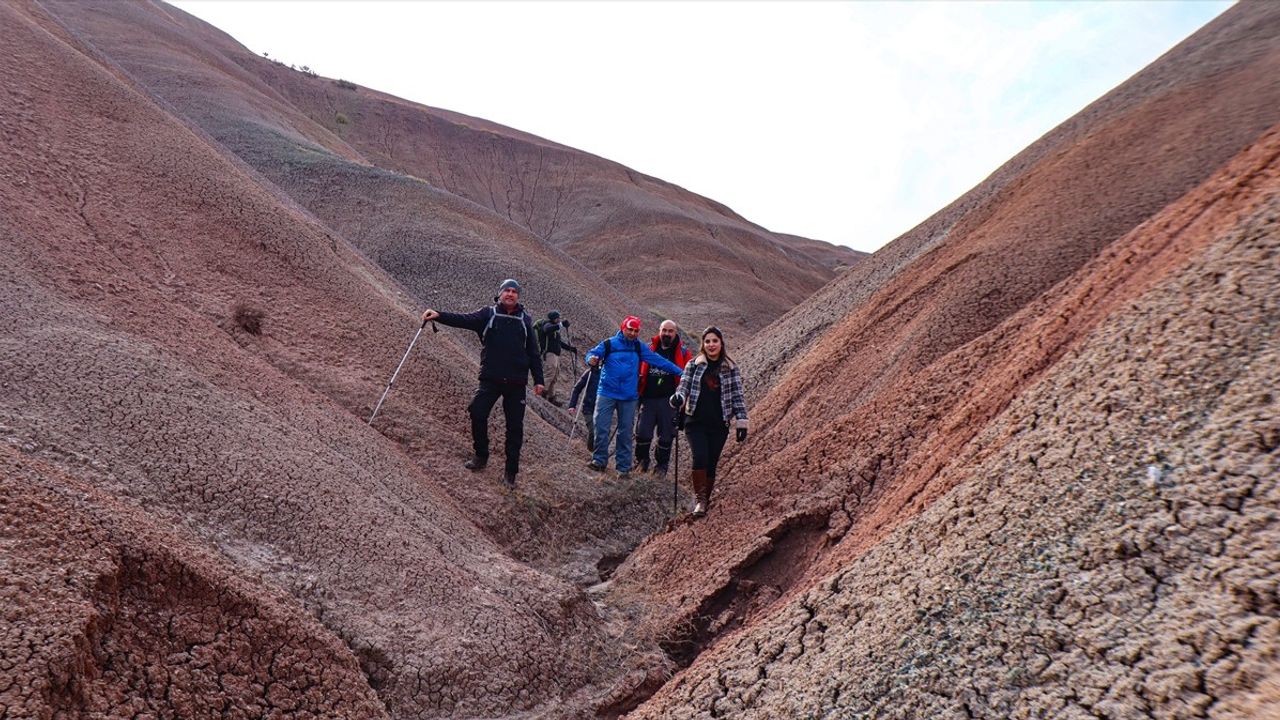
<point>569,340</point>
<point>378,407</point>
<point>675,478</point>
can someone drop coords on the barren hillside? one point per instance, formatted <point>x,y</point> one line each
<point>1020,463</point>
<point>962,428</point>
<point>398,179</point>
<point>188,359</point>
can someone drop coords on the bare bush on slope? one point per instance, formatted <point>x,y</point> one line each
<point>1110,545</point>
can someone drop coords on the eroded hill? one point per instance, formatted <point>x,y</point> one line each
<point>188,360</point>
<point>428,192</point>
<point>1022,462</point>
<point>1008,468</point>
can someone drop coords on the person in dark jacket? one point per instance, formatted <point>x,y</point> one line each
<point>552,344</point>
<point>619,359</point>
<point>509,353</point>
<point>656,387</point>
<point>709,399</point>
<point>586,388</point>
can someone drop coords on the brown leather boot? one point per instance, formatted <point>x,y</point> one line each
<point>698,478</point>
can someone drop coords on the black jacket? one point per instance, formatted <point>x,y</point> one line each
<point>510,349</point>
<point>590,383</point>
<point>551,334</point>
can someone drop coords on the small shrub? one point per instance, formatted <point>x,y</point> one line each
<point>306,70</point>
<point>343,119</point>
<point>248,318</point>
<point>345,84</point>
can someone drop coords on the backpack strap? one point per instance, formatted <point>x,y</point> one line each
<point>493,314</point>
<point>608,348</point>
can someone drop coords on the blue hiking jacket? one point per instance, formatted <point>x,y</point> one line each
<point>620,370</point>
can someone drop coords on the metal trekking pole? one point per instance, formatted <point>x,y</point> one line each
<point>378,407</point>
<point>576,360</point>
<point>675,478</point>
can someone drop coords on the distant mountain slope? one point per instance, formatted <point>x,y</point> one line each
<point>670,251</point>
<point>880,395</point>
<point>188,359</point>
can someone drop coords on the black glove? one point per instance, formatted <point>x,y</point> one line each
<point>742,434</point>
<point>680,421</point>
<point>565,323</point>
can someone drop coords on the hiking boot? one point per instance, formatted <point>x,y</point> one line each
<point>593,465</point>
<point>624,475</point>
<point>660,471</point>
<point>642,455</point>
<point>476,463</point>
<point>509,479</point>
<point>701,491</point>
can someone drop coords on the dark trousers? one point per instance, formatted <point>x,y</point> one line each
<point>705,444</point>
<point>512,408</point>
<point>655,413</point>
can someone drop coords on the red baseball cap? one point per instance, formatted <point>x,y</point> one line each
<point>631,322</point>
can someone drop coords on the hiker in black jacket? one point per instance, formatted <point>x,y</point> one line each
<point>508,355</point>
<point>586,388</point>
<point>552,343</point>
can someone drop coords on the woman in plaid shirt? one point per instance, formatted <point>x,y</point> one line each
<point>710,393</point>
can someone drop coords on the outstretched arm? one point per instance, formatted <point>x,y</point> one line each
<point>682,390</point>
<point>474,321</point>
<point>658,361</point>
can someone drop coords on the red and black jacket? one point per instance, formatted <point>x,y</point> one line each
<point>680,357</point>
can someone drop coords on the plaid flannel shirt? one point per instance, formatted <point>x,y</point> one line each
<point>732,404</point>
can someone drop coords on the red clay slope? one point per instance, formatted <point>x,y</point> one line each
<point>113,616</point>
<point>1052,206</point>
<point>1107,546</point>
<point>646,238</point>
<point>851,437</point>
<point>145,407</point>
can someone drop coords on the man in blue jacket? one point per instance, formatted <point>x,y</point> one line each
<point>619,359</point>
<point>508,354</point>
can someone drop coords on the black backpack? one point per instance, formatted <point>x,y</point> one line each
<point>540,332</point>
<point>608,348</point>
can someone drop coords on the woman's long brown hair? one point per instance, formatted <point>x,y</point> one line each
<point>724,349</point>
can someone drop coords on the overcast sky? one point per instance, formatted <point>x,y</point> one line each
<point>848,122</point>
